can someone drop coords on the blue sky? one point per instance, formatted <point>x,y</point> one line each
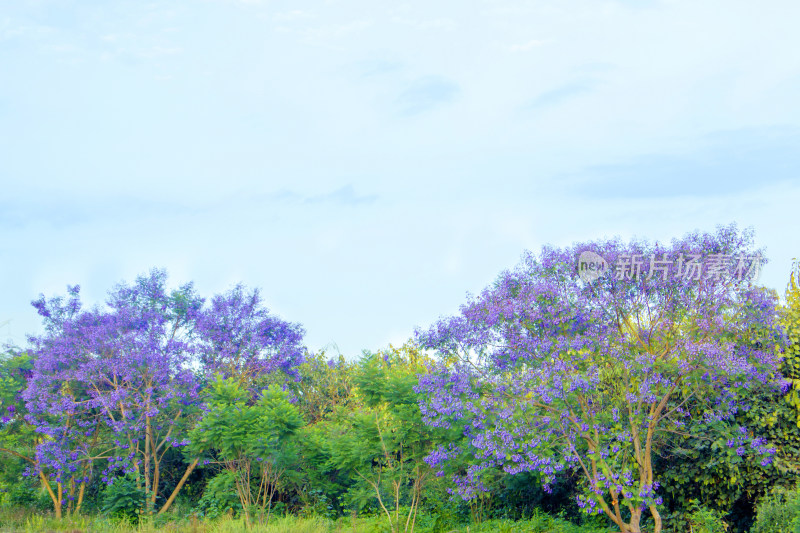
<point>368,163</point>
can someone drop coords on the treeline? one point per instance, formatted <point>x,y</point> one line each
<point>338,438</point>
<point>346,438</point>
<point>161,401</point>
<point>527,402</point>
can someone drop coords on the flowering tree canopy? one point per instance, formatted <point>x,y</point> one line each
<point>550,369</point>
<point>125,368</point>
<point>240,338</point>
<point>119,384</point>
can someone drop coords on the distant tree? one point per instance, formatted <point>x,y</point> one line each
<point>325,383</point>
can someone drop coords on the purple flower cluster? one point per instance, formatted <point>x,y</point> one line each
<point>132,367</point>
<point>238,336</point>
<point>546,371</point>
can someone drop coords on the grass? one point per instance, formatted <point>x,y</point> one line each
<point>24,521</point>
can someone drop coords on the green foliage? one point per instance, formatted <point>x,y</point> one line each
<point>16,436</point>
<point>696,467</point>
<point>326,387</point>
<point>14,431</point>
<point>704,520</point>
<point>702,468</point>
<point>13,369</point>
<point>778,513</point>
<point>123,500</point>
<point>522,495</point>
<point>384,443</point>
<point>325,384</point>
<point>25,493</point>
<point>234,430</point>
<point>326,483</point>
<point>790,319</point>
<point>252,441</point>
<point>220,497</point>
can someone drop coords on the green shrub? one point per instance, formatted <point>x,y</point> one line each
<point>19,495</point>
<point>220,497</point>
<point>705,520</point>
<point>778,513</point>
<point>123,500</point>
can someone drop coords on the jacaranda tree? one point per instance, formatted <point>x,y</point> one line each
<point>241,339</point>
<point>116,387</point>
<point>568,363</point>
<point>113,384</point>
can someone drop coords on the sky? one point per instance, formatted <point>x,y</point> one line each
<point>367,164</point>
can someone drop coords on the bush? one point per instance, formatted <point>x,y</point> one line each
<point>220,497</point>
<point>20,495</point>
<point>123,500</point>
<point>778,513</point>
<point>705,520</point>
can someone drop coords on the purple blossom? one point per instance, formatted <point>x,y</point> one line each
<point>239,337</point>
<point>526,365</point>
<point>131,366</point>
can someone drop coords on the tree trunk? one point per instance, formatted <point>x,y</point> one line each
<point>80,497</point>
<point>56,502</point>
<point>146,468</point>
<point>189,470</point>
<point>656,518</point>
<point>636,516</point>
<point>59,499</point>
<point>156,480</point>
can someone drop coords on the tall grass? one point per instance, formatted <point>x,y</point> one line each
<point>26,523</point>
<point>23,521</point>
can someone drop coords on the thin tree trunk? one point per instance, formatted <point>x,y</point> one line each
<point>156,479</point>
<point>156,470</point>
<point>80,497</point>
<point>146,467</point>
<point>71,495</point>
<point>189,470</point>
<point>56,503</point>
<point>60,499</point>
<point>243,489</point>
<point>656,518</point>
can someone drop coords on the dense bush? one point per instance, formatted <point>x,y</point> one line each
<point>778,513</point>
<point>220,497</point>
<point>123,499</point>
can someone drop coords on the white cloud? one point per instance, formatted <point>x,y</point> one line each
<point>11,30</point>
<point>294,14</point>
<point>526,47</point>
<point>446,24</point>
